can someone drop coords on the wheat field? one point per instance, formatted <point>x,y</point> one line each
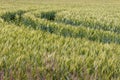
<point>59,40</point>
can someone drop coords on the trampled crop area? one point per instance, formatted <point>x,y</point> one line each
<point>59,40</point>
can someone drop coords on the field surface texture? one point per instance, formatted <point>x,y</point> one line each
<point>59,40</point>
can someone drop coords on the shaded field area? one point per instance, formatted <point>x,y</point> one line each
<point>59,40</point>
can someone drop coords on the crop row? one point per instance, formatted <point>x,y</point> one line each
<point>34,54</point>
<point>62,29</point>
<point>71,31</point>
<point>95,20</point>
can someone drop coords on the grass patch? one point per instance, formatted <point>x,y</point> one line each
<point>14,17</point>
<point>50,15</point>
